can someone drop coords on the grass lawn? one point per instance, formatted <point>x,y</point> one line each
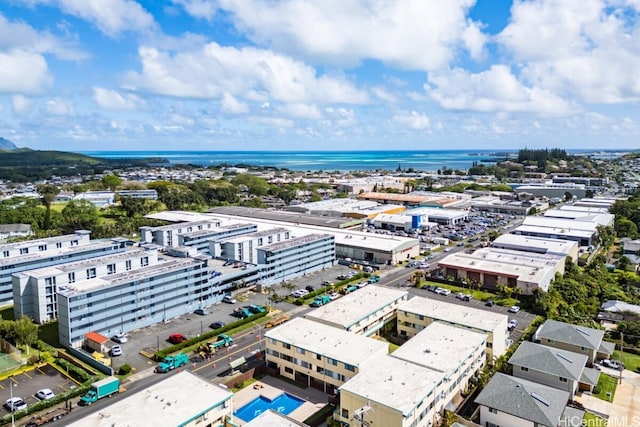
<point>606,384</point>
<point>479,295</point>
<point>592,420</point>
<point>631,361</point>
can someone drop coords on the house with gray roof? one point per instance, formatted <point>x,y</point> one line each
<point>576,338</point>
<point>512,401</point>
<point>616,311</point>
<point>553,367</point>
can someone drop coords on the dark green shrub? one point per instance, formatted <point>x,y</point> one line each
<point>124,370</point>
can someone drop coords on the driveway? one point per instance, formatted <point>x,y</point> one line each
<point>625,409</point>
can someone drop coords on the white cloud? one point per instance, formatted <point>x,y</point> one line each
<point>255,74</point>
<point>20,103</point>
<point>341,117</point>
<point>231,105</point>
<point>301,111</point>
<point>114,100</point>
<point>413,120</point>
<point>59,107</point>
<point>581,48</point>
<point>276,122</point>
<point>413,34</point>
<point>201,9</point>
<point>112,17</point>
<point>384,94</point>
<point>19,36</point>
<point>23,72</point>
<point>494,90</point>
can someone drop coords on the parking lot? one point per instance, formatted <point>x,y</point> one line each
<point>153,338</point>
<point>27,384</point>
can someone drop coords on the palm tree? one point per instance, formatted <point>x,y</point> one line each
<point>48,193</point>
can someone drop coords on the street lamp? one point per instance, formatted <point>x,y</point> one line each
<point>13,421</point>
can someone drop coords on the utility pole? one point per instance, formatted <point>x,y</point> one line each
<point>621,356</point>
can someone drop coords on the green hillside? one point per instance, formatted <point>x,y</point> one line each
<point>25,165</point>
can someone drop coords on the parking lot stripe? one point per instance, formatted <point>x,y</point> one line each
<point>41,371</point>
<point>27,375</point>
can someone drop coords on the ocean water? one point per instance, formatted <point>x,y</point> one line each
<point>431,160</point>
<point>320,160</point>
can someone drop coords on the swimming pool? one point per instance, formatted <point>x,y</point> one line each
<point>284,403</point>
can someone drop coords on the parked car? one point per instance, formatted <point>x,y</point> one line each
<point>460,295</point>
<point>514,309</point>
<point>217,325</point>
<point>442,291</point>
<point>44,394</point>
<point>177,338</point>
<point>299,293</point>
<point>467,297</point>
<point>334,295</point>
<point>116,350</point>
<point>229,299</point>
<point>310,288</point>
<point>613,364</point>
<point>201,311</point>
<point>513,323</point>
<point>490,303</point>
<point>120,338</point>
<point>15,404</point>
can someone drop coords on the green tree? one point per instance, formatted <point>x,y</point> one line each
<point>26,332</point>
<point>568,196</point>
<point>133,206</point>
<point>48,193</point>
<point>80,215</point>
<point>112,182</point>
<point>624,227</point>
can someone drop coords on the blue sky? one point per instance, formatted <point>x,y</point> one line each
<point>87,75</point>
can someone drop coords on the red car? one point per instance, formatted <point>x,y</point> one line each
<point>176,338</point>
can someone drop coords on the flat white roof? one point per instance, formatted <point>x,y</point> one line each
<point>351,308</point>
<point>441,347</point>
<point>439,213</point>
<point>58,252</point>
<point>569,224</point>
<point>161,404</point>
<point>326,340</point>
<point>531,259</point>
<point>537,243</point>
<point>83,286</point>
<point>475,318</point>
<point>587,209</point>
<point>271,418</point>
<point>344,237</point>
<point>558,231</point>
<point>179,216</point>
<point>394,383</point>
<point>533,274</point>
<point>85,263</point>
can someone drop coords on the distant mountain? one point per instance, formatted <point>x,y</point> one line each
<point>5,144</point>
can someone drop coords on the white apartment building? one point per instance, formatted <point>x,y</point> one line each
<point>245,247</point>
<point>364,311</point>
<point>165,404</point>
<point>318,355</point>
<point>418,312</point>
<point>32,254</point>
<point>35,291</point>
<point>296,257</point>
<point>394,393</point>
<point>458,353</point>
<point>203,240</point>
<point>129,300</point>
<point>169,235</point>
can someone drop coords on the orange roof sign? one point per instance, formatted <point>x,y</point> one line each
<point>96,337</point>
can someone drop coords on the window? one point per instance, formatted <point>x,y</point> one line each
<point>72,277</point>
<point>260,241</point>
<point>59,245</point>
<point>288,370</point>
<point>91,273</point>
<point>332,361</point>
<point>319,357</point>
<point>345,413</point>
<point>42,248</point>
<point>5,254</point>
<point>493,410</point>
<point>24,251</point>
<point>144,261</point>
<point>563,380</point>
<point>74,243</point>
<point>127,264</point>
<point>300,350</point>
<point>111,268</point>
<point>50,281</point>
<point>349,367</point>
<point>524,368</point>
